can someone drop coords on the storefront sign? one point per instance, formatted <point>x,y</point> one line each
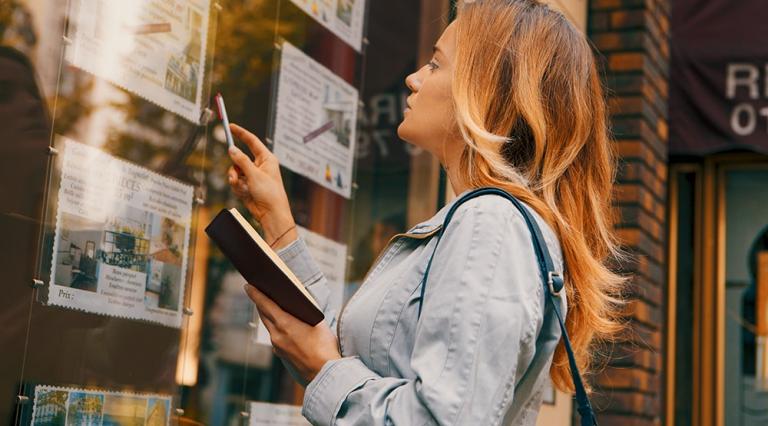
<point>719,77</point>
<point>121,238</point>
<point>152,48</point>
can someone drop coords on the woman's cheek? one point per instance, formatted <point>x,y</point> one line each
<point>415,129</point>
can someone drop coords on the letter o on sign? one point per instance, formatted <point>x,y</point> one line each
<point>743,119</point>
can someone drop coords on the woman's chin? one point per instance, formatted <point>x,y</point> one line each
<point>402,131</point>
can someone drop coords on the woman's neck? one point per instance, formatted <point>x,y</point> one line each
<point>451,162</point>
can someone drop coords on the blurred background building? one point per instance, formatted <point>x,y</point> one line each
<point>688,87</point>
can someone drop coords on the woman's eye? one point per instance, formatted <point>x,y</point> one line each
<point>432,65</point>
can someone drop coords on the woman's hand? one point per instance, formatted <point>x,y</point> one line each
<point>305,347</point>
<point>258,184</point>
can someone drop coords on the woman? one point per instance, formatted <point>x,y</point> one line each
<point>511,99</point>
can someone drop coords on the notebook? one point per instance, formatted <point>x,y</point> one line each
<point>261,266</point>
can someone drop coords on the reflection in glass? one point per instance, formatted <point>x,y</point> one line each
<point>746,230</point>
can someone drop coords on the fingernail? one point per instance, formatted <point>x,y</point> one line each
<point>234,150</point>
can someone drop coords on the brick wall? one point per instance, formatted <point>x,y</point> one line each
<point>632,39</point>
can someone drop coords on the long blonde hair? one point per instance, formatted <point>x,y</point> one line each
<point>529,104</point>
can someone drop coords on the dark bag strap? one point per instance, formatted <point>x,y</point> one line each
<point>553,284</point>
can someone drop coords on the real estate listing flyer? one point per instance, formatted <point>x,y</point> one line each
<point>345,18</point>
<point>270,414</point>
<point>152,48</point>
<point>331,258</point>
<point>121,238</point>
<point>315,121</point>
<point>54,405</point>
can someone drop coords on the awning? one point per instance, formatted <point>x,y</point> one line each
<point>718,98</point>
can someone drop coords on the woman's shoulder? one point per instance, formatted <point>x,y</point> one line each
<point>497,215</point>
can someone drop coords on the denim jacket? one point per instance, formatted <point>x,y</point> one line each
<point>480,352</point>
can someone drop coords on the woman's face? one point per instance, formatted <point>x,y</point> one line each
<point>429,122</point>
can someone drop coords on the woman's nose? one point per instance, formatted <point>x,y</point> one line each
<point>413,82</point>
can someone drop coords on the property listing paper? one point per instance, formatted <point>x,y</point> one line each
<point>269,414</point>
<point>121,238</point>
<point>344,18</point>
<point>331,258</point>
<point>232,317</point>
<point>315,121</point>
<point>54,405</point>
<point>153,48</point>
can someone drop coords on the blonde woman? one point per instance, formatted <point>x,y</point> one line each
<point>511,99</point>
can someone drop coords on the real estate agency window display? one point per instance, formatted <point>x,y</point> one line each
<point>131,312</point>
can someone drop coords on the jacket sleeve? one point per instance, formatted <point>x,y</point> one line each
<point>297,257</point>
<point>476,335</point>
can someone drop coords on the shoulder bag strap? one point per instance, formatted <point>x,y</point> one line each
<point>552,281</point>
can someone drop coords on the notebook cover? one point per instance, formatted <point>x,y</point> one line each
<point>258,269</point>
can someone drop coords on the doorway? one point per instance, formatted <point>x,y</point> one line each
<point>717,317</point>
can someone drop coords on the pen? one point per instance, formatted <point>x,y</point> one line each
<point>223,116</point>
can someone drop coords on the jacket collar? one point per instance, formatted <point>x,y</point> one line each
<point>435,222</point>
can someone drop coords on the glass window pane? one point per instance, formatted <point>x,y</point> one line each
<point>746,227</point>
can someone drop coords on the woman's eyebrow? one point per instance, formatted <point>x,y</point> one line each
<point>436,49</point>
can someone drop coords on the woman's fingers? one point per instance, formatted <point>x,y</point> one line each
<point>237,182</point>
<point>268,324</point>
<point>244,163</point>
<point>242,188</point>
<point>241,160</point>
<point>232,175</point>
<point>259,150</point>
<point>260,300</point>
<point>266,306</point>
